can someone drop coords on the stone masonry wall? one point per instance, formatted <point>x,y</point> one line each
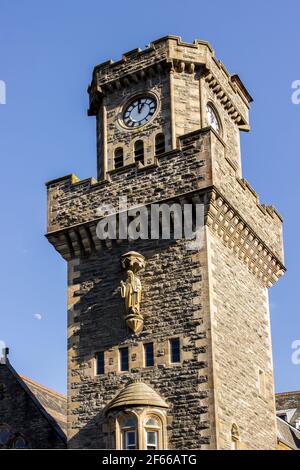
<point>241,351</point>
<point>18,411</point>
<point>201,163</point>
<point>207,392</point>
<point>119,136</point>
<point>177,173</point>
<point>265,220</point>
<point>187,112</point>
<point>176,72</point>
<point>174,304</point>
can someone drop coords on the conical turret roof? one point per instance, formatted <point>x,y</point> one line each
<point>137,394</point>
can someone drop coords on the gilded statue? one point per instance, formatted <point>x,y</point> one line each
<point>131,290</point>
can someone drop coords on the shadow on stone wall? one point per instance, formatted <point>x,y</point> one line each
<point>168,308</point>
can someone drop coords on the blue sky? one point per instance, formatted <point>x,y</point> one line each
<point>47,53</point>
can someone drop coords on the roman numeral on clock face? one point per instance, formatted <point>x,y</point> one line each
<point>139,111</point>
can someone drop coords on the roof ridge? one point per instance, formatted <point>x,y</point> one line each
<point>50,390</point>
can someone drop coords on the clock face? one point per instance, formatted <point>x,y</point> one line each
<point>213,119</point>
<point>139,111</point>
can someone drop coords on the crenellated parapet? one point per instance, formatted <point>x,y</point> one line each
<point>185,311</point>
<point>182,79</point>
<point>232,208</point>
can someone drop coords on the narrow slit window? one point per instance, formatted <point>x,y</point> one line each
<point>139,151</point>
<point>261,383</point>
<point>100,363</point>
<point>119,157</point>
<point>175,350</point>
<point>149,354</point>
<point>235,437</point>
<point>160,145</point>
<point>124,360</point>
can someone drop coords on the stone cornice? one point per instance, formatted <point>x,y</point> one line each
<point>239,237</point>
<point>153,47</point>
<point>244,92</point>
<point>225,101</point>
<point>101,86</point>
<point>171,52</point>
<point>81,240</point>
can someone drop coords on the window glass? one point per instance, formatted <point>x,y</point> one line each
<point>175,350</point>
<point>100,362</point>
<point>139,151</point>
<point>149,354</point>
<point>129,425</point>
<point>130,440</point>
<point>152,422</point>
<point>20,443</point>
<point>124,362</point>
<point>160,144</point>
<point>119,158</point>
<point>5,434</point>
<point>151,439</point>
<point>129,422</point>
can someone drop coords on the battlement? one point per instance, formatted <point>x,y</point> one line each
<point>171,53</point>
<point>198,165</point>
<point>168,122</point>
<point>160,46</point>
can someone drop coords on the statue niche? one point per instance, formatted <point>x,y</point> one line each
<point>131,290</point>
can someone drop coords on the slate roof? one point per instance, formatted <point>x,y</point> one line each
<point>288,434</point>
<point>54,403</point>
<point>289,401</point>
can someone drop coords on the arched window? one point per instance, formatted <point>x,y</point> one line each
<point>137,418</point>
<point>19,443</point>
<point>129,432</point>
<point>261,383</point>
<point>160,145</point>
<point>139,151</point>
<point>119,157</point>
<point>152,433</point>
<point>5,435</point>
<point>235,437</point>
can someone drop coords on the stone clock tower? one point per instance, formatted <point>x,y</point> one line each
<point>168,347</point>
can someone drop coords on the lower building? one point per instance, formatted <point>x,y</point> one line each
<point>31,415</point>
<point>288,420</point>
